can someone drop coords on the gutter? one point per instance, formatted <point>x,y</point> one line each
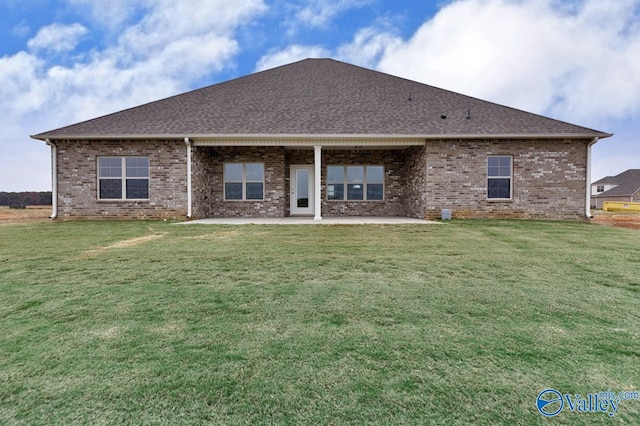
<point>54,179</point>
<point>188,143</point>
<point>587,210</point>
<point>314,137</point>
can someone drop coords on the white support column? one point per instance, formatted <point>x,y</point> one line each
<point>188,143</point>
<point>317,177</point>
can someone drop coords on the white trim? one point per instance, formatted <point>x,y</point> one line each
<point>317,162</point>
<point>54,179</point>
<point>587,207</point>
<point>232,138</point>
<point>298,211</point>
<point>188,143</point>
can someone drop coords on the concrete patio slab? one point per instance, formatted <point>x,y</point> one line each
<point>310,221</point>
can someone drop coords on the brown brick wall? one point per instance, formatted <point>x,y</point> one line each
<point>548,179</point>
<point>78,179</point>
<point>208,193</point>
<point>210,202</point>
<point>394,178</point>
<point>416,181</point>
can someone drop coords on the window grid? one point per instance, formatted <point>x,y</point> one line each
<point>123,178</point>
<point>355,183</point>
<point>499,177</point>
<point>243,181</point>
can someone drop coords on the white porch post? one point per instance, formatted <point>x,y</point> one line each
<point>188,143</point>
<point>317,175</point>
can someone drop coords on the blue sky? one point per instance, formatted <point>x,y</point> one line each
<point>64,61</point>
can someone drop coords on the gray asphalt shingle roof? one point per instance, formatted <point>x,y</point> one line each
<point>628,184</point>
<point>320,97</point>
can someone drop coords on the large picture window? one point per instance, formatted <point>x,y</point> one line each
<point>358,183</point>
<point>499,175</point>
<point>123,178</point>
<point>244,181</point>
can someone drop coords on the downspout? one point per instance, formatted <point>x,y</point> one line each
<point>587,211</point>
<point>54,179</point>
<point>188,143</point>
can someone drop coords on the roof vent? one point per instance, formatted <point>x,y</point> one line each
<point>410,96</point>
<point>443,116</point>
<point>468,114</point>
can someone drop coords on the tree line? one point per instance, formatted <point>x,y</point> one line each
<point>25,198</point>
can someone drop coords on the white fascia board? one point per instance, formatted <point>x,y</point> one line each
<point>298,139</point>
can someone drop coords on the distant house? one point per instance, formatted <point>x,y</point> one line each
<point>622,187</point>
<point>321,138</point>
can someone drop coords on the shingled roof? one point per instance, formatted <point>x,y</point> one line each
<point>628,184</point>
<point>320,97</point>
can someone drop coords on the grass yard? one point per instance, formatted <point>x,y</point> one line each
<point>459,323</point>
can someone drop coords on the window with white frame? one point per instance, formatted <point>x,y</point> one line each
<point>357,183</point>
<point>244,181</point>
<point>600,188</point>
<point>499,176</point>
<point>123,178</point>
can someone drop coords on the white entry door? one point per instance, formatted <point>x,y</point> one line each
<point>301,190</point>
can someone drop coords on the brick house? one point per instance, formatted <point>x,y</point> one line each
<point>623,187</point>
<point>321,138</point>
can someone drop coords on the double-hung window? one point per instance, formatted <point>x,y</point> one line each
<point>244,181</point>
<point>355,183</point>
<point>499,177</point>
<point>123,178</point>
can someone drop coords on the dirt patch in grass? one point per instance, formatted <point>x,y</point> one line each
<point>29,214</point>
<point>620,220</point>
<point>131,242</point>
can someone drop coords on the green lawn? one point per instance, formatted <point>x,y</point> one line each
<point>459,323</point>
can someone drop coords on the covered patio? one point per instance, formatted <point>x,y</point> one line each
<point>360,220</point>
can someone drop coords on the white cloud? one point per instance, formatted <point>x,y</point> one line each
<point>291,54</point>
<point>58,38</point>
<point>317,13</point>
<point>110,14</point>
<point>368,47</point>
<point>157,55</point>
<point>579,63</point>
